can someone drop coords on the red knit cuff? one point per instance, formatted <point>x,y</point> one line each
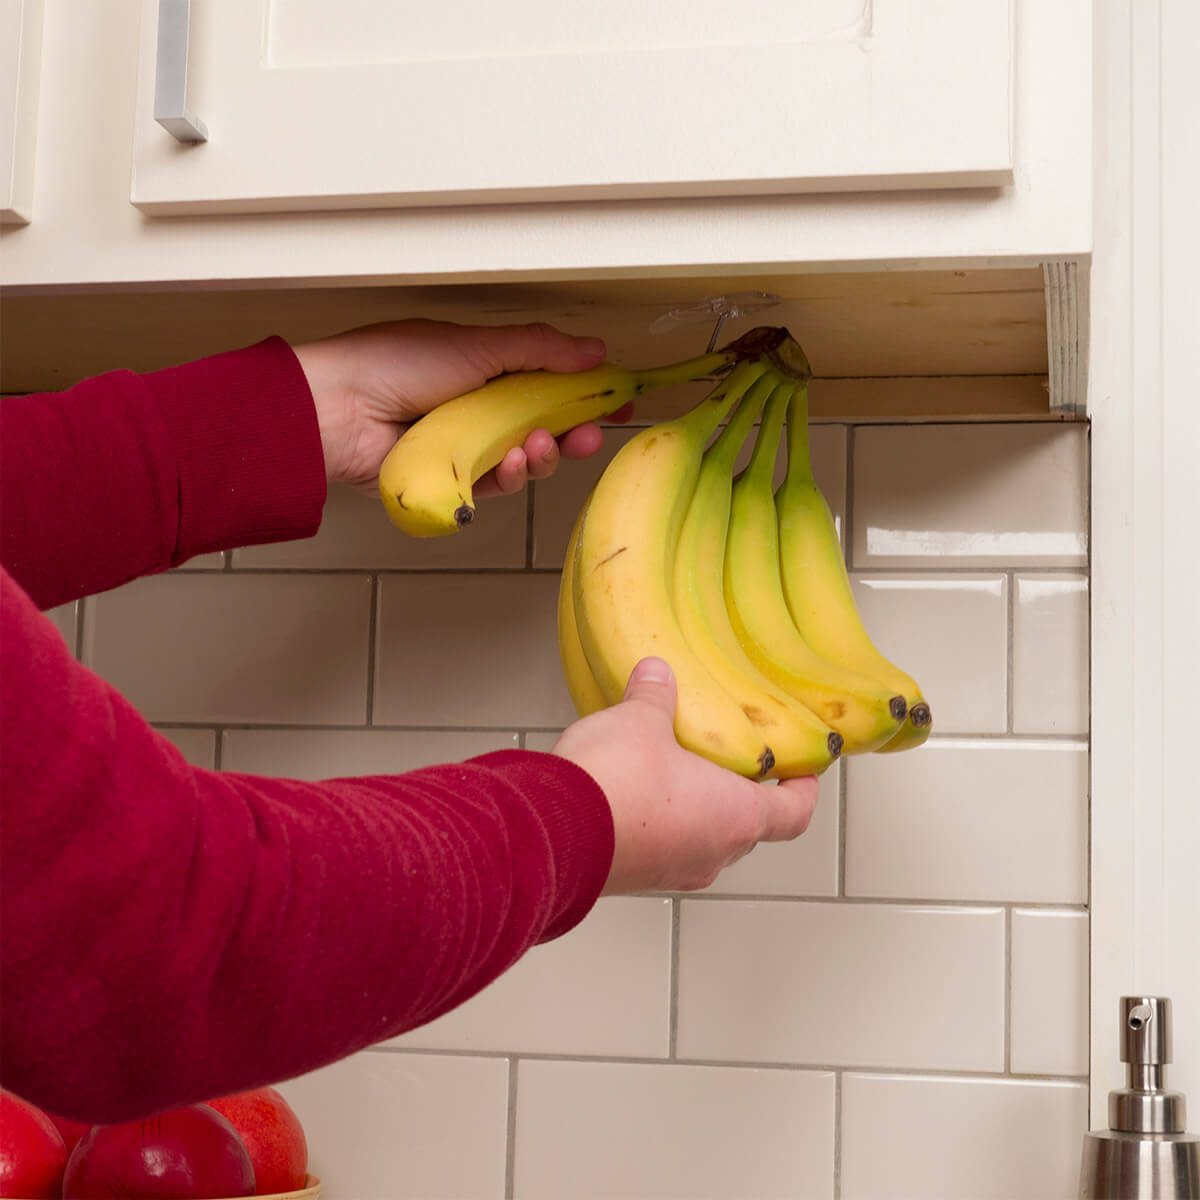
<point>578,823</point>
<point>248,448</point>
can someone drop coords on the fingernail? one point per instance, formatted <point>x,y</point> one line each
<point>592,347</point>
<point>653,670</point>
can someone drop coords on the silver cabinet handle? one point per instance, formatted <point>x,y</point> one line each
<point>170,79</point>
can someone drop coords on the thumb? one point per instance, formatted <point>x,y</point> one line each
<point>653,682</point>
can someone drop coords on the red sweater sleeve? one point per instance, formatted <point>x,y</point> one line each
<point>169,934</point>
<point>124,475</point>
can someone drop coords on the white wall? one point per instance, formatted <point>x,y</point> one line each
<point>1146,527</point>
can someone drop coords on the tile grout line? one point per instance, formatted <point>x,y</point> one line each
<point>920,567</point>
<point>877,901</point>
<point>848,499</point>
<point>837,1134</point>
<point>510,1134</point>
<point>77,649</point>
<point>843,777</point>
<point>1066,739</point>
<point>1008,1005</point>
<point>529,502</point>
<point>1010,648</point>
<point>673,996</point>
<point>372,631</point>
<point>218,747</point>
<point>632,1060</point>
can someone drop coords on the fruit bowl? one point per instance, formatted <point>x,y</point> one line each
<point>310,1191</point>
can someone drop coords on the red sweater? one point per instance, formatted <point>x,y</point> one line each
<point>168,933</point>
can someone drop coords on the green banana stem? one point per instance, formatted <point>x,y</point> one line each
<point>685,372</point>
<point>799,468</point>
<point>731,439</point>
<point>770,345</point>
<point>714,408</point>
<point>766,448</point>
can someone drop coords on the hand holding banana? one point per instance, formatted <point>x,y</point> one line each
<point>742,590</point>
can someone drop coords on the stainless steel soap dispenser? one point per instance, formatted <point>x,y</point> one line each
<point>1145,1154</point>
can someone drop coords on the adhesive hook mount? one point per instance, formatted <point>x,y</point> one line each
<point>715,308</point>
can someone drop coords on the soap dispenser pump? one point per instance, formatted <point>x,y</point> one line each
<point>1146,1153</point>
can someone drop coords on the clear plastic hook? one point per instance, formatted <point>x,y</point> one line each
<point>715,308</point>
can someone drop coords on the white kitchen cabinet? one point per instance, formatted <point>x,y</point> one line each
<point>20,72</point>
<point>402,103</point>
<point>89,234</point>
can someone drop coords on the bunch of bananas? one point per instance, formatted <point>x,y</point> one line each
<point>741,589</point>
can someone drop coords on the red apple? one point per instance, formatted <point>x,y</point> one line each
<point>71,1131</point>
<point>273,1135</point>
<point>32,1153</point>
<point>186,1154</point>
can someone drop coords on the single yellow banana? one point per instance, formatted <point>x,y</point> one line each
<point>862,710</point>
<point>802,743</point>
<point>817,588</point>
<point>585,691</point>
<point>427,478</point>
<point>623,569</point>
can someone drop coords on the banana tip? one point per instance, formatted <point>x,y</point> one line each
<point>920,715</point>
<point>898,706</point>
<point>766,762</point>
<point>464,514</point>
<point>835,743</point>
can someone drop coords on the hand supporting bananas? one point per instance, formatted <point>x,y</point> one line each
<point>678,819</point>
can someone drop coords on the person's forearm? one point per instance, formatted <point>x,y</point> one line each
<point>125,474</point>
<point>170,934</point>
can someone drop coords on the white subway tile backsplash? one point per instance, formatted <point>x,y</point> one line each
<point>227,648</point>
<point>807,866</point>
<point>64,621</point>
<point>875,943</point>
<point>954,820</point>
<point>848,984</point>
<point>604,989</point>
<point>384,1126</point>
<point>976,495</point>
<point>1050,654</point>
<point>356,533</point>
<point>927,1138</point>
<point>950,632</point>
<point>590,1130</point>
<point>1049,992</point>
<point>541,741</point>
<point>198,746</point>
<point>338,753</point>
<point>452,652</point>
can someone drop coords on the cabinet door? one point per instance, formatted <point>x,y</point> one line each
<point>384,103</point>
<point>20,71</point>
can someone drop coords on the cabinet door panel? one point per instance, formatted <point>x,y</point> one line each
<point>396,102</point>
<point>20,73</point>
